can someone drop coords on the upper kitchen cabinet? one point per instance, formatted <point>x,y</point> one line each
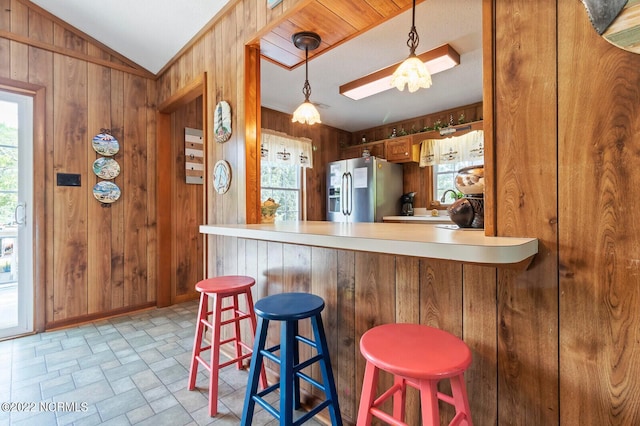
<point>402,150</point>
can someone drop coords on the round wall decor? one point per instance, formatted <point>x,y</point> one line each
<point>222,122</point>
<point>106,168</point>
<point>624,31</point>
<point>221,176</point>
<point>106,192</point>
<point>105,144</point>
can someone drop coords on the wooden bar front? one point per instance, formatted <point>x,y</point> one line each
<point>364,289</point>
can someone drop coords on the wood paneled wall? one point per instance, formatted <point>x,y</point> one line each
<point>598,232</point>
<point>566,140</point>
<point>326,141</point>
<point>99,259</point>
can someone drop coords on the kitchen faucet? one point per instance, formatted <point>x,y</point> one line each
<point>455,195</point>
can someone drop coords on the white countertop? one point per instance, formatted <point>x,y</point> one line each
<point>420,219</point>
<point>422,240</point>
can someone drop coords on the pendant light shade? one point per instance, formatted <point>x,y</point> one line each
<point>306,113</point>
<point>412,72</point>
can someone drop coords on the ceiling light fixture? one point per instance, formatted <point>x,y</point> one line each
<point>306,112</point>
<point>439,59</point>
<point>412,72</point>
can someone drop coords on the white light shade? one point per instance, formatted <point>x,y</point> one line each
<point>412,72</point>
<point>306,113</point>
<point>436,60</point>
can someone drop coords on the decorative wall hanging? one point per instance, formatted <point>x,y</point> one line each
<point>106,168</point>
<point>106,192</point>
<point>221,176</point>
<point>222,122</point>
<point>617,21</point>
<point>193,156</point>
<point>105,144</point>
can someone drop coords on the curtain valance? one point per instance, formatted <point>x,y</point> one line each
<point>277,147</point>
<point>468,147</point>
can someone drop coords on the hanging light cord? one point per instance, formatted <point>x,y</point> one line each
<point>413,34</point>
<point>306,89</point>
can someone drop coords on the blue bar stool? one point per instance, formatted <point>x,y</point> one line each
<point>290,308</point>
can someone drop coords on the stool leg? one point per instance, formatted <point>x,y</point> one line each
<point>255,371</point>
<point>252,319</point>
<point>197,341</point>
<point>295,347</point>
<point>236,330</point>
<point>369,385</point>
<point>327,372</point>
<point>429,402</point>
<point>400,398</point>
<point>215,354</point>
<point>287,342</point>
<point>461,401</point>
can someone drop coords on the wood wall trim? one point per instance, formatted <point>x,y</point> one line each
<point>39,241</point>
<point>252,131</point>
<point>53,325</point>
<point>75,54</point>
<point>83,35</point>
<point>488,110</point>
<point>184,95</point>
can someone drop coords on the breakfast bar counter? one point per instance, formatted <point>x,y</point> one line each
<point>431,241</point>
<point>378,273</point>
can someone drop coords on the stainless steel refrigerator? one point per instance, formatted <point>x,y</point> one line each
<point>363,190</point>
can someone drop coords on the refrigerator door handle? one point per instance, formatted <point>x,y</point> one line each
<point>349,193</point>
<point>343,194</point>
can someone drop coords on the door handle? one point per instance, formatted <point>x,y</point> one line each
<point>21,219</point>
<point>350,193</point>
<point>343,194</point>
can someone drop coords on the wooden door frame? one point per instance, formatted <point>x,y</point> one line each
<point>38,93</point>
<point>191,91</point>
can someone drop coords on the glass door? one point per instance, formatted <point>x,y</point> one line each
<point>16,195</point>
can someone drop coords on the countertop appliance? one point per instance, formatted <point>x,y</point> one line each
<point>407,204</point>
<point>363,189</point>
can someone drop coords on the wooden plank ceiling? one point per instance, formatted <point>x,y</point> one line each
<point>335,21</point>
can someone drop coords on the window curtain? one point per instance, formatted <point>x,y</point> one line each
<point>468,147</point>
<point>277,147</point>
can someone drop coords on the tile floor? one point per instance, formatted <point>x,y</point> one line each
<point>130,370</point>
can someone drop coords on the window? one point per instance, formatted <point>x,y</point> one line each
<point>8,165</point>
<point>281,182</point>
<point>444,178</point>
<point>447,156</point>
<point>284,160</point>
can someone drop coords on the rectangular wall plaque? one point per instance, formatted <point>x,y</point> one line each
<point>194,156</point>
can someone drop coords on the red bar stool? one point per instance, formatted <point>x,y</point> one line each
<point>419,356</point>
<point>220,288</point>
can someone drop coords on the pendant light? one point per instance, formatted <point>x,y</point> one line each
<point>412,72</point>
<point>306,112</point>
